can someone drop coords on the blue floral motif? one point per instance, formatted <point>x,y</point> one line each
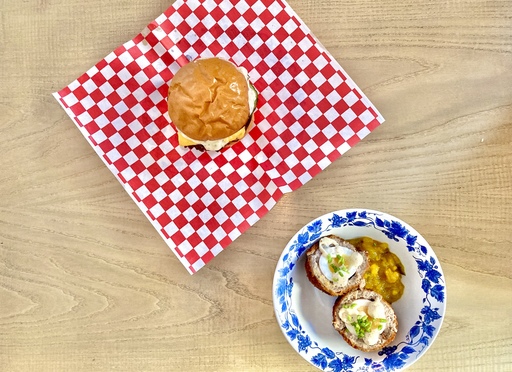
<point>430,314</point>
<point>320,360</point>
<point>395,357</point>
<point>336,365</point>
<point>304,343</point>
<point>395,361</point>
<point>437,292</point>
<point>329,353</point>
<point>336,221</point>
<point>315,229</point>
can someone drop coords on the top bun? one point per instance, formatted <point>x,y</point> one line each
<point>209,99</point>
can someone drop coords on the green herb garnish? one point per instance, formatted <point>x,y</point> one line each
<point>337,264</point>
<point>349,306</point>
<point>362,326</point>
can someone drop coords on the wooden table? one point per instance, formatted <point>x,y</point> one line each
<point>87,284</point>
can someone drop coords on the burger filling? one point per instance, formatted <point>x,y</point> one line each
<point>215,145</point>
<point>364,319</point>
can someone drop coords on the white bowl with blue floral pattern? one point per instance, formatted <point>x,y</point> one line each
<point>304,313</point>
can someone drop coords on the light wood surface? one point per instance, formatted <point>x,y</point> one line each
<point>87,284</point>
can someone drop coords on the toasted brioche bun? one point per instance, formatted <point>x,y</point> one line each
<point>385,337</point>
<point>208,100</point>
<point>320,281</point>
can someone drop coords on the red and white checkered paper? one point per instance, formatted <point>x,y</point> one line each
<point>309,113</point>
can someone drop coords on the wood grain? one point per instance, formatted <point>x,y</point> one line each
<point>86,284</point>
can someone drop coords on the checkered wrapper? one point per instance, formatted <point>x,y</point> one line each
<point>309,113</point>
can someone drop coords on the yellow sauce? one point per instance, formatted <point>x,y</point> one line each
<point>385,273</point>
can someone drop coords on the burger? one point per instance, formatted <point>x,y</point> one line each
<point>211,103</point>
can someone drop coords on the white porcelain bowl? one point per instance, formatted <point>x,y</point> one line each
<point>304,313</point>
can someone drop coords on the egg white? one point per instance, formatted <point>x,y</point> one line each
<point>363,307</point>
<point>331,247</point>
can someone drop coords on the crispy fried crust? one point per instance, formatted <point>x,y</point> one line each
<point>316,277</point>
<point>385,338</point>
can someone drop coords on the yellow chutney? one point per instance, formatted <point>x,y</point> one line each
<point>385,273</point>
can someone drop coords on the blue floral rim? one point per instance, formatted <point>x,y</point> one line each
<point>394,357</point>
